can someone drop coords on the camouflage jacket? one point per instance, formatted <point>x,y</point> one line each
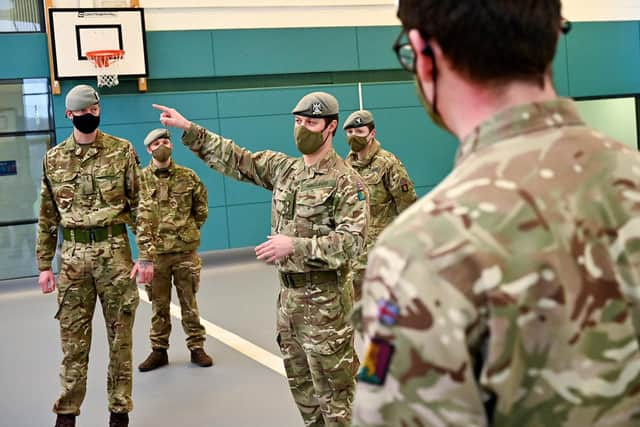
<point>510,295</point>
<point>182,204</point>
<point>323,207</point>
<point>98,188</point>
<point>390,190</point>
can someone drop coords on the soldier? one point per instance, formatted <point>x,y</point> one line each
<point>182,209</point>
<point>91,187</point>
<point>318,224</point>
<point>390,188</point>
<point>507,296</point>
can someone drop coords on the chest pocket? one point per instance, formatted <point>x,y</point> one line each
<point>181,197</point>
<point>63,183</point>
<point>315,205</point>
<point>378,193</point>
<point>110,182</point>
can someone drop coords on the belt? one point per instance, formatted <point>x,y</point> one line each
<point>97,234</point>
<point>299,280</point>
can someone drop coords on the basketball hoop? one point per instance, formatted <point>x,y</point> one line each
<point>106,63</point>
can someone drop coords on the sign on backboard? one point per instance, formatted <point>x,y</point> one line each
<point>74,32</point>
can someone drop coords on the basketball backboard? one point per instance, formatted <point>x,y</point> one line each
<point>74,32</point>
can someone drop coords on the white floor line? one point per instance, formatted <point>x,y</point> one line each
<point>232,340</point>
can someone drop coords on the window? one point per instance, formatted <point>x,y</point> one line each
<point>19,16</point>
<point>26,132</point>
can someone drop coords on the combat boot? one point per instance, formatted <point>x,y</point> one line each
<point>200,358</point>
<point>119,420</point>
<point>157,358</point>
<point>65,420</point>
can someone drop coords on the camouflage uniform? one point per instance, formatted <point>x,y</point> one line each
<point>509,295</point>
<point>323,208</point>
<point>87,189</point>
<point>390,190</point>
<point>183,208</point>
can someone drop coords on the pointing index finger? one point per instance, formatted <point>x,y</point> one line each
<point>161,107</point>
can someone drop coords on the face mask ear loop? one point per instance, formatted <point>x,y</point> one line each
<point>427,51</point>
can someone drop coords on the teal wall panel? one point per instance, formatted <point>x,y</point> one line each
<point>214,232</point>
<point>375,47</point>
<point>260,102</point>
<point>255,134</point>
<point>390,95</point>
<point>286,50</point>
<point>249,225</point>
<point>176,54</point>
<point>404,129</point>
<point>560,68</point>
<point>24,56</point>
<point>135,108</point>
<point>604,58</point>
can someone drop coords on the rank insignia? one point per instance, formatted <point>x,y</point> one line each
<point>388,312</point>
<point>404,185</point>
<point>376,364</point>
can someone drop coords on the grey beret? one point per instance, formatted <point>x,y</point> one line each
<point>317,104</point>
<point>358,118</point>
<point>80,97</point>
<point>156,134</point>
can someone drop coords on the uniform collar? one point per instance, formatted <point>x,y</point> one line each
<point>373,150</point>
<point>520,120</point>
<point>71,145</point>
<point>326,164</point>
<point>171,169</point>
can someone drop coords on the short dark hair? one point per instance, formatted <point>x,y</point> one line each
<point>329,119</point>
<point>492,41</point>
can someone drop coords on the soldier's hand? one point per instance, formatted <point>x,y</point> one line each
<point>47,281</point>
<point>171,117</point>
<point>144,270</point>
<point>276,248</point>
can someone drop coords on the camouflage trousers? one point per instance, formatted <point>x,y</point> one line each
<point>358,277</point>
<point>316,341</point>
<point>88,271</point>
<point>183,270</point>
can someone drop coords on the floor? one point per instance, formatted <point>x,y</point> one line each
<point>245,387</point>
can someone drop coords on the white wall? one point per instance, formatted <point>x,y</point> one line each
<point>224,14</point>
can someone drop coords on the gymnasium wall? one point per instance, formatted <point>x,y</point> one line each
<point>243,84</point>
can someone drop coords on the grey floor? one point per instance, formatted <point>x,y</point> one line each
<point>236,294</point>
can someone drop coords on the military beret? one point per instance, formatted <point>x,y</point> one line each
<point>357,119</point>
<point>317,104</point>
<point>156,134</point>
<point>80,97</point>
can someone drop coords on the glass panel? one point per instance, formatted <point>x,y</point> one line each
<point>20,16</point>
<point>18,251</point>
<point>20,174</point>
<point>615,117</point>
<point>24,106</point>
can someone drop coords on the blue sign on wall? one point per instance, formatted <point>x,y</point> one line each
<point>8,167</point>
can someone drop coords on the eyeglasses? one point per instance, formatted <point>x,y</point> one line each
<point>404,52</point>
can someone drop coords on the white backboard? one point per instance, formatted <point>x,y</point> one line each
<point>77,31</point>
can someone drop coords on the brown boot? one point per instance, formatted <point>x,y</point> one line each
<point>119,420</point>
<point>65,420</point>
<point>200,358</point>
<point>157,358</point>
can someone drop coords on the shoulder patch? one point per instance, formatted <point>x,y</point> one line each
<point>361,195</point>
<point>376,364</point>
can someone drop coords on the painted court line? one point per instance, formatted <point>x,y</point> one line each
<point>232,340</point>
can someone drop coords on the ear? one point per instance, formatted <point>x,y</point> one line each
<point>373,133</point>
<point>424,63</point>
<point>69,115</point>
<point>148,149</point>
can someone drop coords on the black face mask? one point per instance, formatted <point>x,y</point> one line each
<point>86,123</point>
